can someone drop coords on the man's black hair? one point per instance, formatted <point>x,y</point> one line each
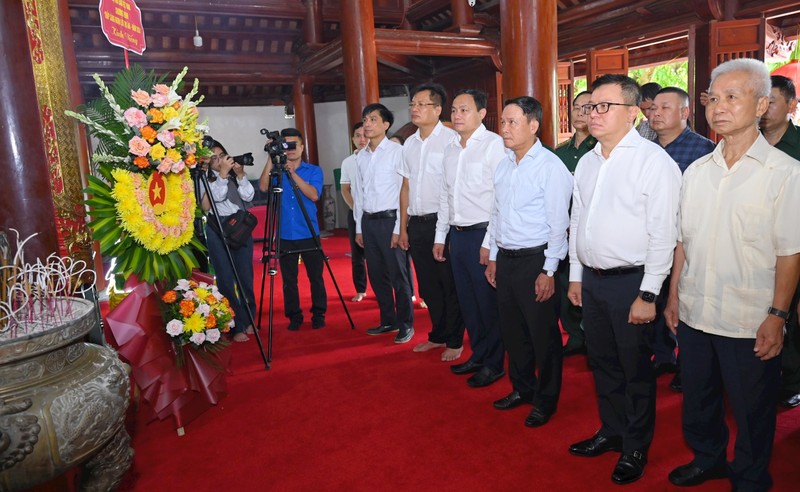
<point>292,132</point>
<point>785,86</point>
<point>630,89</point>
<point>481,98</point>
<point>531,108</point>
<point>676,90</point>
<point>382,110</point>
<point>581,93</point>
<point>438,93</point>
<point>649,90</point>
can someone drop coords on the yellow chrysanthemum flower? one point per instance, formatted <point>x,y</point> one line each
<point>194,323</point>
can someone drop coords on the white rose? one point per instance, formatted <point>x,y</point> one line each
<point>198,338</point>
<point>174,328</point>
<point>212,335</point>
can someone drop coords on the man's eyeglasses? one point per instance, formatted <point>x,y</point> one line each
<point>413,105</point>
<point>601,107</point>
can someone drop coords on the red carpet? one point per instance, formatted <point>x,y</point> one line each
<point>340,410</point>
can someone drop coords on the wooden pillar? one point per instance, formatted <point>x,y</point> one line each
<point>312,26</point>
<point>527,40</point>
<point>360,57</point>
<point>462,13</point>
<point>27,203</point>
<point>304,116</point>
<point>699,75</point>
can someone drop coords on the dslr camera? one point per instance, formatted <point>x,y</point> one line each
<point>276,147</point>
<point>242,160</point>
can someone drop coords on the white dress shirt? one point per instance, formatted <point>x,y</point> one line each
<point>378,181</point>
<point>219,193</point>
<point>531,205</point>
<point>625,210</point>
<point>422,166</point>
<point>348,169</point>
<point>733,224</point>
<point>467,194</point>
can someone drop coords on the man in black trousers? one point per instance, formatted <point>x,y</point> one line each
<point>528,238</point>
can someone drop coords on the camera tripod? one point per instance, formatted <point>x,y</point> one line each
<point>199,177</point>
<point>271,251</point>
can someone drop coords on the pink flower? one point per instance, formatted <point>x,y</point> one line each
<point>212,335</point>
<point>178,167</point>
<point>190,294</point>
<point>183,284</point>
<point>174,328</point>
<point>161,89</point>
<point>160,100</point>
<point>138,146</point>
<point>165,166</point>
<point>167,138</point>
<point>135,117</point>
<point>141,97</point>
<point>204,309</point>
<point>198,338</point>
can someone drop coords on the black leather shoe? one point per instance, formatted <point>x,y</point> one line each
<point>512,400</point>
<point>689,475</point>
<point>404,335</point>
<point>294,324</point>
<point>676,385</point>
<point>791,401</point>
<point>484,377</point>
<point>630,468</point>
<point>317,323</point>
<point>536,418</point>
<point>380,330</point>
<point>596,445</point>
<point>467,367</point>
<point>661,368</point>
<point>568,351</point>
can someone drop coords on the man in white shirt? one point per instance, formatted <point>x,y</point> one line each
<point>528,238</point>
<point>736,268</point>
<point>622,234</point>
<point>419,205</point>
<point>376,202</point>
<point>465,206</point>
<point>358,261</point>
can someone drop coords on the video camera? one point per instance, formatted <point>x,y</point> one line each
<point>276,147</point>
<point>242,160</point>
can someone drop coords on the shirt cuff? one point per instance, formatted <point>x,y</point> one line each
<point>652,283</point>
<point>575,272</point>
<point>551,264</point>
<point>440,237</point>
<point>493,252</point>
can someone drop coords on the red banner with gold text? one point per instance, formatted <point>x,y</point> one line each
<point>121,21</point>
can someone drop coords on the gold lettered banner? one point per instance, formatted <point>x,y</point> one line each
<point>61,148</point>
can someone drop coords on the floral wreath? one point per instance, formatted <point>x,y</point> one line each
<point>141,196</point>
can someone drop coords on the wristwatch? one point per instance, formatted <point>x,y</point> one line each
<point>777,312</point>
<point>647,296</point>
<point>549,273</point>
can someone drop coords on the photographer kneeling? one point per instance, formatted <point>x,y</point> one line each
<point>295,234</point>
<point>230,189</point>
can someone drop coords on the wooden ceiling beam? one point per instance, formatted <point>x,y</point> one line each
<point>605,16</point>
<point>324,59</point>
<point>592,9</point>
<point>423,43</point>
<point>426,8</point>
<point>405,64</point>
<point>189,58</point>
<point>289,9</point>
<point>254,36</point>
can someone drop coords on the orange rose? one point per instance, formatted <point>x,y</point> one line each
<point>141,162</point>
<point>187,308</point>
<point>149,134</point>
<point>192,284</point>
<point>177,105</point>
<point>156,116</point>
<point>211,321</point>
<point>170,296</point>
<point>190,160</point>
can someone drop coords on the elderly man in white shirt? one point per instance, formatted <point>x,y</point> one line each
<point>465,207</point>
<point>623,231</point>
<point>528,239</point>
<point>738,259</point>
<point>376,197</point>
<point>419,205</point>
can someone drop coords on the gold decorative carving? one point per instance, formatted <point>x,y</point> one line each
<point>59,132</point>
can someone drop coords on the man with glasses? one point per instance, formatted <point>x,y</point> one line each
<point>570,153</point>
<point>465,207</point>
<point>421,169</point>
<point>623,231</point>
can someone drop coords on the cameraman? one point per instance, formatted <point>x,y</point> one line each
<point>295,235</point>
<point>229,190</point>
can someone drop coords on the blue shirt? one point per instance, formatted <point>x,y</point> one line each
<point>688,147</point>
<point>531,205</point>
<point>293,224</point>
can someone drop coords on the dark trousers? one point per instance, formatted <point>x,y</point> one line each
<point>388,273</point>
<point>226,281</point>
<point>357,258</point>
<point>569,314</point>
<point>664,341</point>
<point>790,356</point>
<point>477,298</point>
<point>530,331</point>
<point>619,356</point>
<point>314,264</point>
<point>436,284</point>
<point>711,364</point>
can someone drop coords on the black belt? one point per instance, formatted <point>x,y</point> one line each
<point>519,253</point>
<point>384,214</point>
<point>423,218</point>
<point>473,227</point>
<point>616,271</point>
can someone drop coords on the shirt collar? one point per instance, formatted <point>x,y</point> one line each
<point>629,140</point>
<point>436,131</point>
<point>758,152</point>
